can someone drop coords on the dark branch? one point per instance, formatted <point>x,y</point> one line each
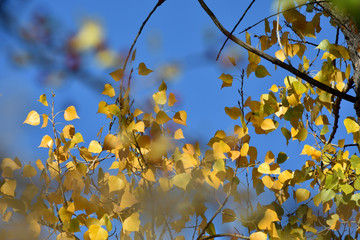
<point>275,61</point>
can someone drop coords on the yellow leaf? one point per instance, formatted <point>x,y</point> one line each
<point>45,120</point>
<point>115,183</point>
<point>117,75</point>
<point>234,112</point>
<point>302,195</point>
<point>219,149</point>
<point>268,181</point>
<point>40,165</point>
<point>139,127</point>
<point>351,126</point>
<point>96,232</point>
<point>132,223</point>
<point>137,112</point>
<point>108,90</point>
<point>143,70</point>
<point>127,200</point>
<point>32,118</point>
<point>149,175</point>
<point>264,168</point>
<point>178,134</point>
<point>43,100</point>
<point>162,117</point>
<point>268,124</point>
<point>69,131</point>
<point>265,222</point>
<point>70,113</point>
<point>160,97</point>
<point>258,236</point>
<point>110,142</point>
<point>8,187</point>
<point>181,180</point>
<point>8,166</point>
<point>172,100</point>
<point>274,88</point>
<point>95,147</point>
<point>29,171</point>
<point>280,55</point>
<point>227,80</point>
<point>180,117</point>
<point>244,150</point>
<point>46,142</point>
<point>89,36</point>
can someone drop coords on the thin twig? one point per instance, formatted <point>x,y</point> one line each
<point>226,235</point>
<point>232,31</point>
<point>273,60</point>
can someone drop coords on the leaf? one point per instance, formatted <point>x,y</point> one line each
<point>181,180</point>
<point>228,215</point>
<point>76,139</point>
<point>281,158</point>
<point>115,184</point>
<point>95,147</point>
<point>180,117</point>
<point>108,90</point>
<point>261,72</point>
<point>211,229</point>
<point>160,97</point>
<point>268,124</point>
<point>327,195</point>
<point>162,117</point>
<point>302,195</point>
<point>132,223</point>
<point>43,100</point>
<point>118,74</point>
<point>33,118</point>
<point>96,232</point>
<point>127,200</point>
<point>324,45</point>
<point>8,187</point>
<point>46,142</point>
<point>234,112</point>
<point>351,125</point>
<point>179,134</point>
<point>143,70</point>
<point>45,120</point>
<point>29,171</point>
<point>269,217</point>
<point>258,236</point>
<point>226,78</point>
<point>8,166</point>
<point>70,113</point>
<point>172,100</point>
<point>89,36</point>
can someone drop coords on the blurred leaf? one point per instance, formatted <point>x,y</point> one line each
<point>143,70</point>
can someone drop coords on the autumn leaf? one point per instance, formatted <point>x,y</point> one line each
<point>70,113</point>
<point>351,125</point>
<point>118,74</point>
<point>160,97</point>
<point>43,100</point>
<point>181,180</point>
<point>180,117</point>
<point>33,118</point>
<point>143,70</point>
<point>302,195</point>
<point>227,80</point>
<point>108,90</point>
<point>132,223</point>
<point>261,72</point>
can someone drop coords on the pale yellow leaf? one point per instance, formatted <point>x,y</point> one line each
<point>258,236</point>
<point>160,97</point>
<point>43,100</point>
<point>33,118</point>
<point>46,142</point>
<point>115,183</point>
<point>96,232</point>
<point>132,223</point>
<point>181,180</point>
<point>178,134</point>
<point>94,147</point>
<point>70,113</point>
<point>351,125</point>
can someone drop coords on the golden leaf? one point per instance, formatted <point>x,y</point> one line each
<point>268,124</point>
<point>46,142</point>
<point>108,90</point>
<point>43,100</point>
<point>8,187</point>
<point>181,180</point>
<point>115,183</point>
<point>33,118</point>
<point>70,113</point>
<point>162,117</point>
<point>127,200</point>
<point>179,134</point>
<point>95,147</point>
<point>143,70</point>
<point>96,232</point>
<point>258,236</point>
<point>180,117</point>
<point>29,171</point>
<point>302,195</point>
<point>265,222</point>
<point>132,223</point>
<point>45,120</point>
<point>351,125</point>
<point>117,74</point>
<point>160,97</point>
<point>8,166</point>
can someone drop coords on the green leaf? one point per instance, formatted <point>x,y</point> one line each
<point>327,195</point>
<point>181,180</point>
<point>287,134</point>
<point>211,229</point>
<point>324,45</point>
<point>346,188</point>
<point>261,72</point>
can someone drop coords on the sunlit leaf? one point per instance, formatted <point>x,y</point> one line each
<point>143,70</point>
<point>178,134</point>
<point>115,183</point>
<point>43,100</point>
<point>29,171</point>
<point>324,45</point>
<point>96,232</point>
<point>118,74</point>
<point>227,80</point>
<point>181,180</point>
<point>8,187</point>
<point>302,195</point>
<point>70,113</point>
<point>132,223</point>
<point>172,100</point>
<point>162,117</point>
<point>46,142</point>
<point>180,117</point>
<point>160,97</point>
<point>94,147</point>
<point>351,125</point>
<point>268,124</point>
<point>265,222</point>
<point>258,236</point>
<point>108,90</point>
<point>45,120</point>
<point>33,118</point>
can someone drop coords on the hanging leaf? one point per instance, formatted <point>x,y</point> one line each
<point>96,232</point>
<point>302,195</point>
<point>29,171</point>
<point>143,70</point>
<point>261,72</point>
<point>227,80</point>
<point>45,120</point>
<point>178,134</point>
<point>162,117</point>
<point>33,118</point>
<point>108,90</point>
<point>43,100</point>
<point>172,100</point>
<point>118,74</point>
<point>160,97</point>
<point>132,223</point>
<point>181,180</point>
<point>351,125</point>
<point>180,117</point>
<point>115,183</point>
<point>95,147</point>
<point>70,113</point>
<point>46,142</point>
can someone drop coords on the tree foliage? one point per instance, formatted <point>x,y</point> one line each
<point>141,179</point>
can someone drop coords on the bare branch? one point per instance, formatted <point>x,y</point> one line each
<point>226,235</point>
<point>271,59</point>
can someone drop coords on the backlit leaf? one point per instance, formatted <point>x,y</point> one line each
<point>94,147</point>
<point>29,171</point>
<point>261,72</point>
<point>43,100</point>
<point>181,180</point>
<point>46,142</point>
<point>302,195</point>
<point>70,113</point>
<point>227,80</point>
<point>108,90</point>
<point>118,74</point>
<point>178,134</point>
<point>324,45</point>
<point>265,222</point>
<point>115,183</point>
<point>33,118</point>
<point>162,117</point>
<point>351,125</point>
<point>143,70</point>
<point>132,223</point>
<point>96,232</point>
<point>268,124</point>
<point>258,236</point>
<point>45,120</point>
<point>180,117</point>
<point>172,100</point>
<point>160,97</point>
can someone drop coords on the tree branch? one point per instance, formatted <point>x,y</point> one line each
<point>275,61</point>
<point>226,235</point>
